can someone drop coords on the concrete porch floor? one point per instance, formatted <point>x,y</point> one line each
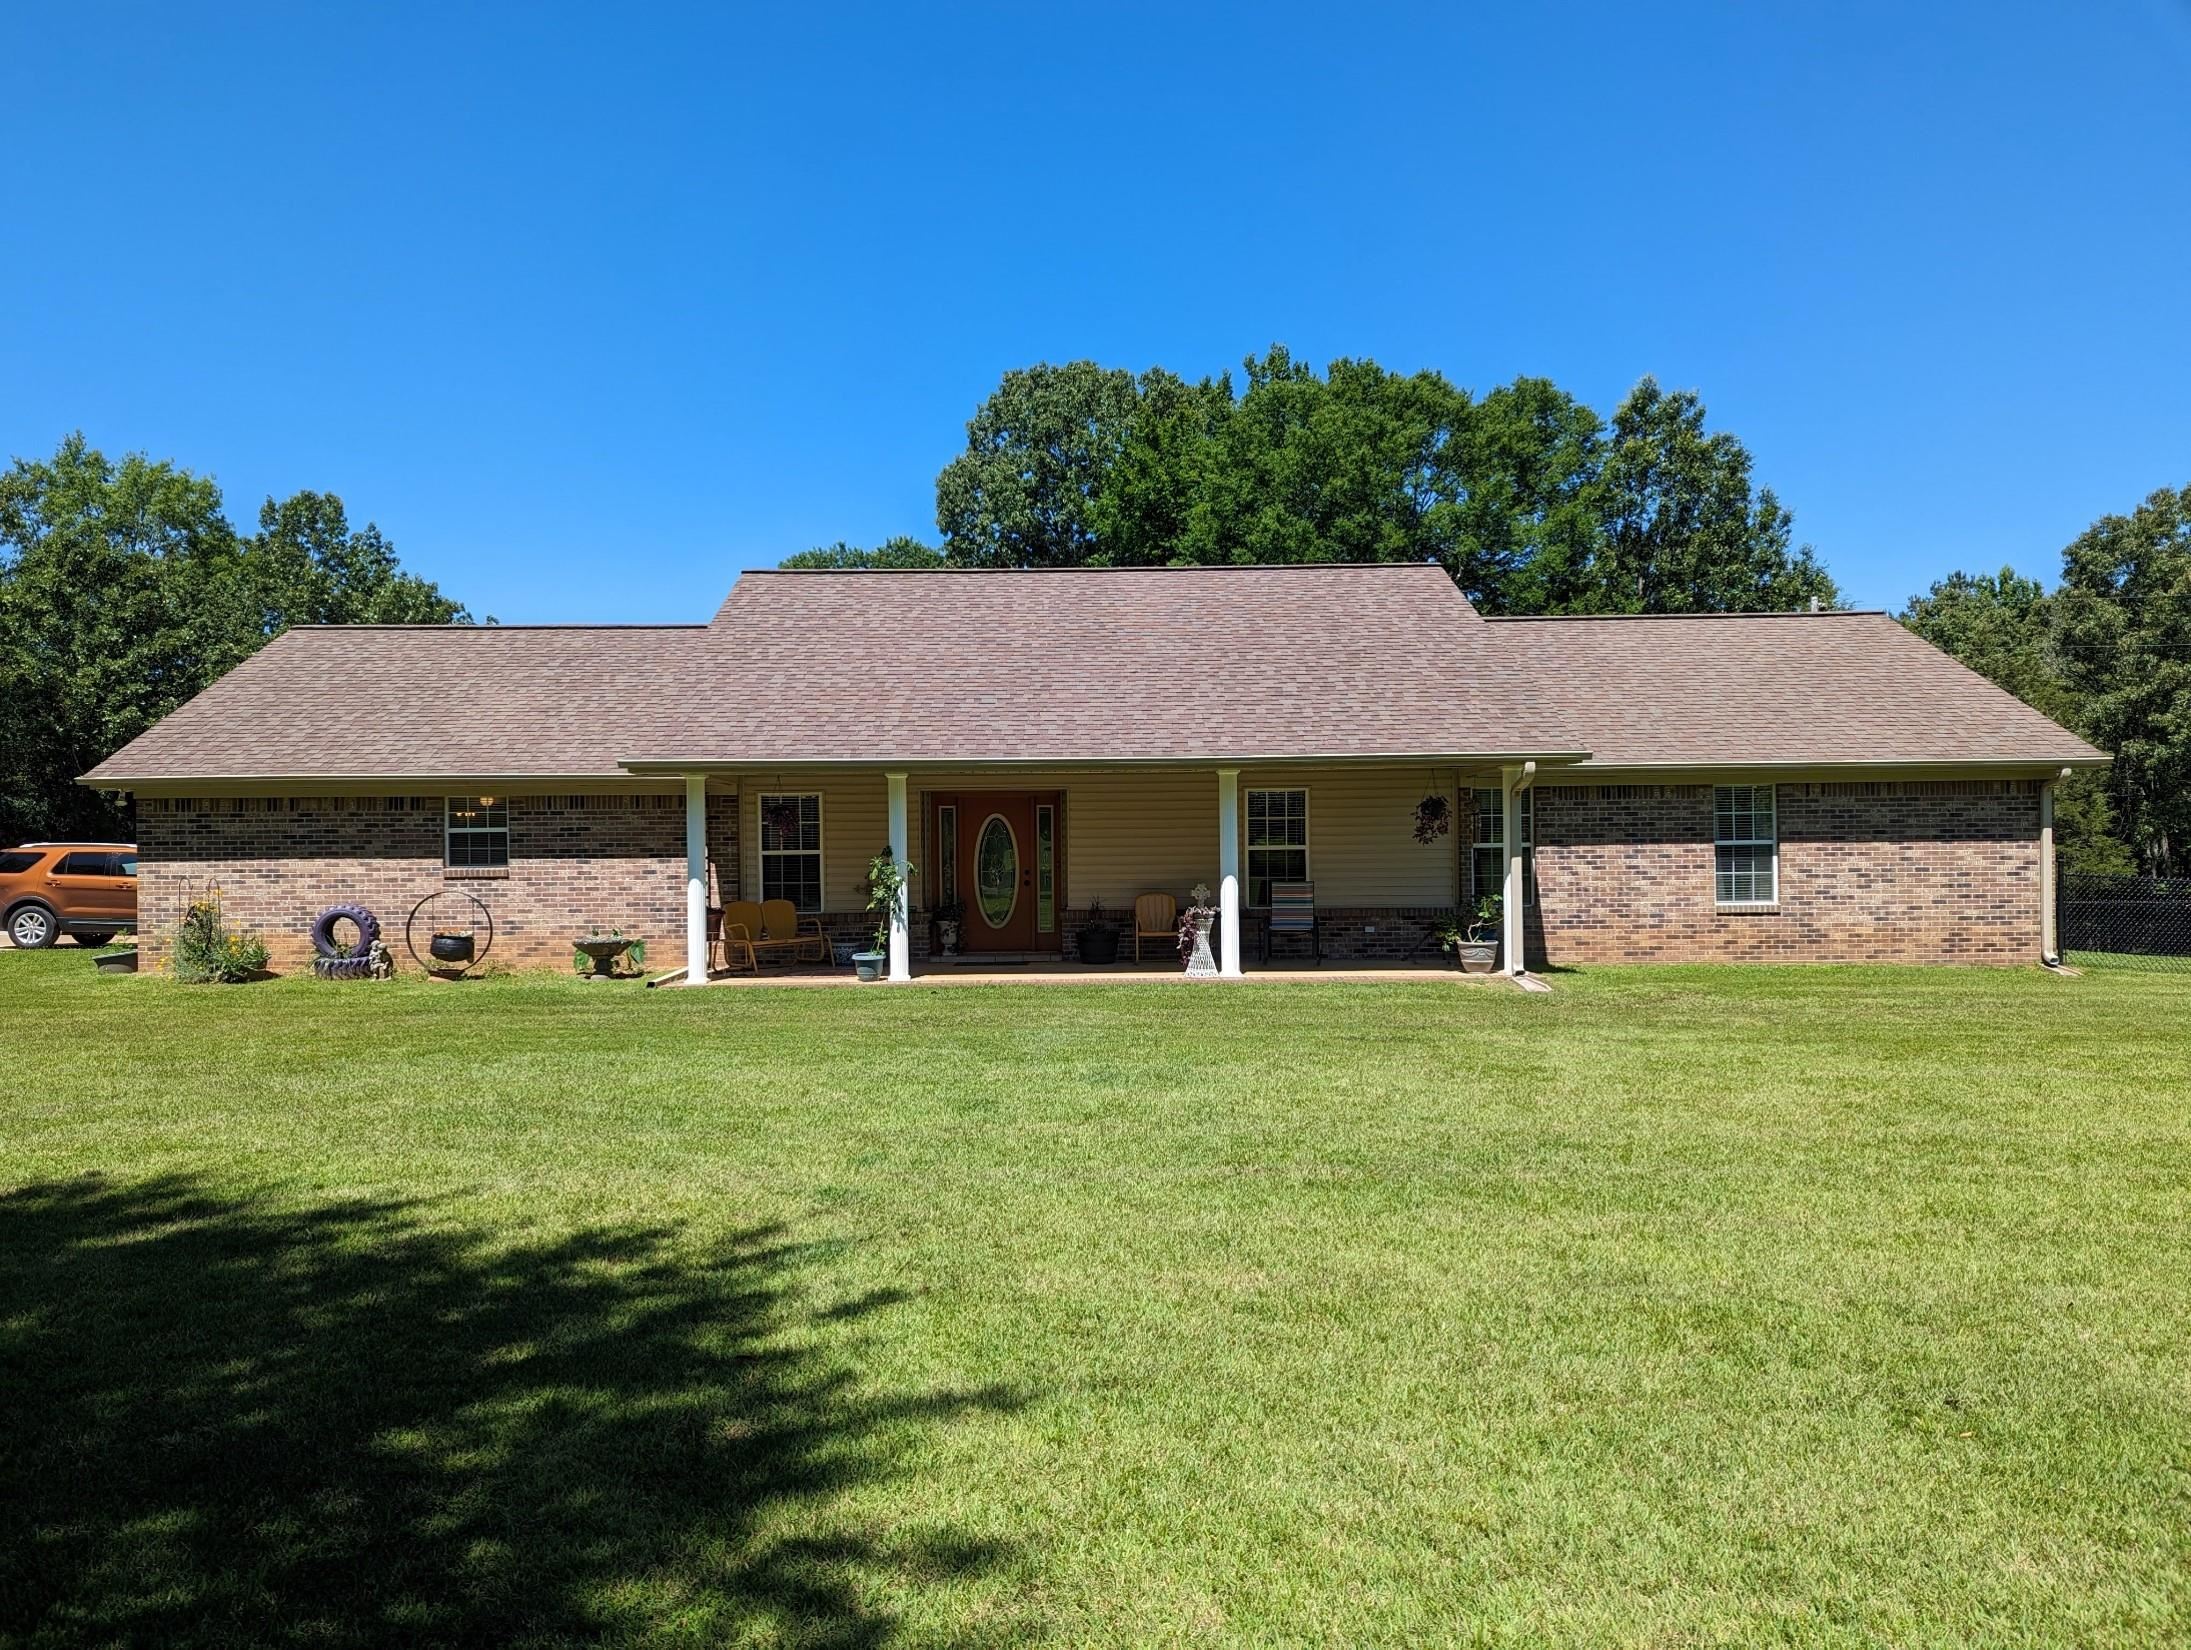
<point>1057,971</point>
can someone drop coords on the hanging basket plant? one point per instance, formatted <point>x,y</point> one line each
<point>1433,818</point>
<point>783,819</point>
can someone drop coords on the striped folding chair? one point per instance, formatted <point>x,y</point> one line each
<point>1292,911</point>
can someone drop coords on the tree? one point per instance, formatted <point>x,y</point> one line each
<point>1525,497</point>
<point>2002,626</point>
<point>2123,631</point>
<point>1682,531</point>
<point>1349,467</point>
<point>1527,461</point>
<point>1037,453</point>
<point>307,567</point>
<point>903,553</point>
<point>124,591</point>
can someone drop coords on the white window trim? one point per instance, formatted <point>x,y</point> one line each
<point>820,850</point>
<point>1773,842</point>
<point>449,834</point>
<point>1247,850</point>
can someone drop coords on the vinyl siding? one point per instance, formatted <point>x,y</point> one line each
<point>1131,831</point>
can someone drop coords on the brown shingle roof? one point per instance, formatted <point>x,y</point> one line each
<point>1104,665</point>
<point>1792,688</point>
<point>1088,665</point>
<point>417,702</point>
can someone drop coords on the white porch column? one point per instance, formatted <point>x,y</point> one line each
<point>901,940</point>
<point>696,879</point>
<point>1510,898</point>
<point>1228,872</point>
<point>2050,942</point>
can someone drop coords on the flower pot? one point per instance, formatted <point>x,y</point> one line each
<point>1477,956</point>
<point>450,948</point>
<point>869,964</point>
<point>1099,945</point>
<point>117,962</point>
<point>947,938</point>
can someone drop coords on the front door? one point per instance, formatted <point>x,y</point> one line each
<point>1009,868</point>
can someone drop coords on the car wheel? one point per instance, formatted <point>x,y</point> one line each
<point>33,927</point>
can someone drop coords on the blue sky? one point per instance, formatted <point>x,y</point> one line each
<point>588,315</point>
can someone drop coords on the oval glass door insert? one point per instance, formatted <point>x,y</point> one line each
<point>996,871</point>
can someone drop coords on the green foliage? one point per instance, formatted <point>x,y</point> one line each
<point>208,951</point>
<point>124,590</point>
<point>2123,632</point>
<point>1526,497</point>
<point>901,554</point>
<point>2107,655</point>
<point>1037,452</point>
<point>887,879</point>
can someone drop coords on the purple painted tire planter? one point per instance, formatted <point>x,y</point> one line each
<point>323,930</point>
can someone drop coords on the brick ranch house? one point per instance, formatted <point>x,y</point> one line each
<point>1822,787</point>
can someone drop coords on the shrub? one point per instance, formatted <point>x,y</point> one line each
<point>208,951</point>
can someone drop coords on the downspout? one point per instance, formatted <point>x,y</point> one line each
<point>1516,784</point>
<point>2050,950</point>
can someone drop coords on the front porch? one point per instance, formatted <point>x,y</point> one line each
<point>1026,864</point>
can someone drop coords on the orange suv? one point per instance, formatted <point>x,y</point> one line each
<point>84,889</point>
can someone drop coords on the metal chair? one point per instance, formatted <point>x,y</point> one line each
<point>1292,911</point>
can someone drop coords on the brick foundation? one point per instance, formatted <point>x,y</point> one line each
<point>1896,871</point>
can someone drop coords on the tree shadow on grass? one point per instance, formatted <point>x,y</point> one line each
<point>224,1421</point>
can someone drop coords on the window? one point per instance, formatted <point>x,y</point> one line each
<point>947,852</point>
<point>11,864</point>
<point>1746,845</point>
<point>791,849</point>
<point>1278,841</point>
<point>86,864</point>
<point>476,833</point>
<point>1487,859</point>
<point>1045,869</point>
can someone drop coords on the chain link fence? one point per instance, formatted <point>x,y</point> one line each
<point>2125,922</point>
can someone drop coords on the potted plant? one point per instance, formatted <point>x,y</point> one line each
<point>949,915</point>
<point>1476,947</point>
<point>886,884</point>
<point>1098,936</point>
<point>1433,818</point>
<point>118,955</point>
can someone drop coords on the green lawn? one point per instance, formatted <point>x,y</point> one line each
<point>1677,1307</point>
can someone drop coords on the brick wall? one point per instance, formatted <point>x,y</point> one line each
<point>1898,871</point>
<point>576,862</point>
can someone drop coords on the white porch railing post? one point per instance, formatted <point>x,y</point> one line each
<point>1228,871</point>
<point>901,940</point>
<point>1510,900</point>
<point>696,879</point>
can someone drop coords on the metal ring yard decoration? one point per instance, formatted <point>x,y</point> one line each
<point>452,951</point>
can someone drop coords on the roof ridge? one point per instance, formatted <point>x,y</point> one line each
<point>686,624</point>
<point>1747,613</point>
<point>1131,567</point>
